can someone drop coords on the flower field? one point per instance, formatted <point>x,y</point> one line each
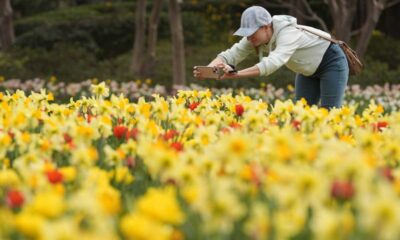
<point>198,165</point>
<point>387,95</point>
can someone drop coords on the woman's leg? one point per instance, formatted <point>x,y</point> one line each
<point>333,78</point>
<point>307,88</point>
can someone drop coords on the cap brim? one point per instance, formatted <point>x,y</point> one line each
<point>245,32</point>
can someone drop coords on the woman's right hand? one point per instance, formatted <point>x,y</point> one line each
<point>225,67</point>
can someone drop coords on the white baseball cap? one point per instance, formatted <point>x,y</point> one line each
<point>252,19</point>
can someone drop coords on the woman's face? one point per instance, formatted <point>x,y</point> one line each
<point>261,36</point>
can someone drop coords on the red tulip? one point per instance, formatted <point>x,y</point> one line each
<point>239,109</point>
<point>120,131</point>
<point>342,190</point>
<point>130,162</point>
<point>296,124</point>
<point>15,198</point>
<point>387,173</point>
<point>67,138</point>
<point>54,176</point>
<point>194,105</point>
<point>381,125</point>
<point>177,146</point>
<point>11,134</point>
<point>133,133</point>
<point>225,130</point>
<point>235,125</point>
<point>89,118</point>
<point>171,133</point>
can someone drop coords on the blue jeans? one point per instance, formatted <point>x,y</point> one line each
<point>329,81</point>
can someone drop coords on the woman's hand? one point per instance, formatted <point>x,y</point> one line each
<point>229,72</point>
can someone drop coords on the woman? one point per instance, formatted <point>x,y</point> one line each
<point>321,66</point>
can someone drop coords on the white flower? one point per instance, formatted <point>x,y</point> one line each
<point>100,90</point>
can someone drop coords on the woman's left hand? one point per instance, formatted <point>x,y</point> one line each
<point>229,72</point>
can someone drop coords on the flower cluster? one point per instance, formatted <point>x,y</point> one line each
<point>386,95</point>
<point>196,165</point>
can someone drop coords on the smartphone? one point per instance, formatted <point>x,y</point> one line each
<point>209,72</point>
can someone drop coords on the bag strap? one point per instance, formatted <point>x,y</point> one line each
<point>319,35</point>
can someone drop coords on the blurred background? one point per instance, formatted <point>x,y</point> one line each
<point>161,40</point>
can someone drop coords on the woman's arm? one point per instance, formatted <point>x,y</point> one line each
<point>217,61</point>
<point>237,53</point>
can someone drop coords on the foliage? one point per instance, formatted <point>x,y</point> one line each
<point>100,28</point>
<point>385,49</point>
<point>23,8</point>
<point>376,72</point>
<point>68,61</point>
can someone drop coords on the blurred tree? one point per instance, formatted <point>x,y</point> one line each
<point>342,13</point>
<point>390,18</point>
<point>154,20</point>
<point>143,59</point>
<point>297,10</point>
<point>374,10</point>
<point>178,48</point>
<point>300,9</point>
<point>7,36</point>
<point>140,35</point>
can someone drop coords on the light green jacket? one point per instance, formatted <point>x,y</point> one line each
<point>299,50</point>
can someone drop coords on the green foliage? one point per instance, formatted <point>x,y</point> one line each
<point>76,63</point>
<point>29,7</point>
<point>376,72</point>
<point>210,21</point>
<point>385,49</point>
<point>25,8</point>
<point>100,28</point>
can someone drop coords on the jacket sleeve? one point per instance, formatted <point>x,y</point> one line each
<point>287,41</point>
<point>238,52</point>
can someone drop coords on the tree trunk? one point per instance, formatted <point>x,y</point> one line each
<point>342,12</point>
<point>374,11</point>
<point>7,35</point>
<point>139,43</point>
<point>389,19</point>
<point>147,68</point>
<point>296,9</point>
<point>178,52</point>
